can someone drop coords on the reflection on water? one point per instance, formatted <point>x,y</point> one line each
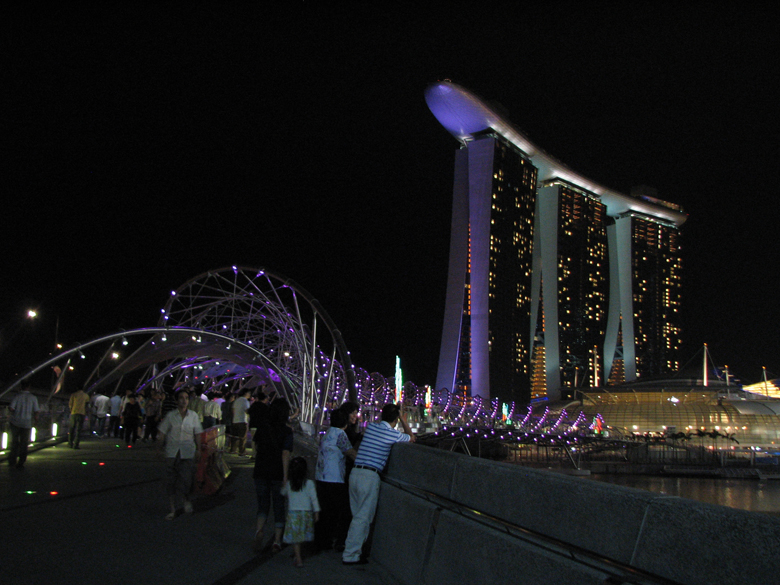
<point>744,494</point>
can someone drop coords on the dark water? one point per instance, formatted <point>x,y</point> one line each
<point>744,494</point>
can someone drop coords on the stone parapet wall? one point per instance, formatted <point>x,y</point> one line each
<point>448,518</point>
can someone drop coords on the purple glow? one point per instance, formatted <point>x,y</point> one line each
<point>459,112</point>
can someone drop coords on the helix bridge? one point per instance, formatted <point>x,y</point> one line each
<point>241,327</point>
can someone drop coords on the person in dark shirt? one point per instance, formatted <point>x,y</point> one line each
<point>131,419</point>
<point>169,403</point>
<point>152,416</point>
<point>352,410</point>
<point>258,411</point>
<point>273,446</point>
<point>227,408</point>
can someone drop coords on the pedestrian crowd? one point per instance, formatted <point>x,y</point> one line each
<point>334,511</point>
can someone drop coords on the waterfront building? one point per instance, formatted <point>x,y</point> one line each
<point>719,415</point>
<point>554,280</point>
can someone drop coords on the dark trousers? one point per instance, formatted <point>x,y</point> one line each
<point>335,515</point>
<point>269,490</point>
<point>113,426</point>
<point>131,430</point>
<point>179,476</point>
<point>150,431</point>
<point>76,423</point>
<point>20,439</point>
<point>238,430</point>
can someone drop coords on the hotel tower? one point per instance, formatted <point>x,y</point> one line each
<point>555,282</point>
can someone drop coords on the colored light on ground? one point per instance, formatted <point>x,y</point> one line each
<point>83,462</point>
<point>101,463</point>
<point>29,492</point>
<point>54,493</point>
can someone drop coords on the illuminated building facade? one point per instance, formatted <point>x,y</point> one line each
<point>569,283</point>
<point>554,281</point>
<point>646,290</point>
<point>490,255</point>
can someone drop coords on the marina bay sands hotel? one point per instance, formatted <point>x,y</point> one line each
<point>555,282</point>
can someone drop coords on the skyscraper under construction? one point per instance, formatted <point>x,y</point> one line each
<point>555,282</point>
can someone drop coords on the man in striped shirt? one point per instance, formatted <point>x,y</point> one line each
<point>372,455</point>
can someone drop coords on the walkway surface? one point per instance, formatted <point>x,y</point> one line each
<point>97,515</point>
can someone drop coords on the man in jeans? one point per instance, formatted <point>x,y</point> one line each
<point>24,412</point>
<point>371,458</point>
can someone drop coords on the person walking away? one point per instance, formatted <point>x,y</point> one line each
<point>371,459</point>
<point>168,402</point>
<point>78,410</point>
<point>92,412</point>
<point>332,491</point>
<point>239,422</point>
<point>303,508</point>
<point>24,414</point>
<point>102,406</point>
<point>273,446</point>
<point>131,418</point>
<point>257,411</point>
<point>227,418</point>
<point>181,440</point>
<point>114,412</point>
<point>153,411</point>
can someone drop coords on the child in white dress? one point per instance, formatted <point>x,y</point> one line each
<point>303,508</point>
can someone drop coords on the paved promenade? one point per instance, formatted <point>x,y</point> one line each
<point>97,515</point>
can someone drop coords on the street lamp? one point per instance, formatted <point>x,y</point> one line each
<point>32,314</point>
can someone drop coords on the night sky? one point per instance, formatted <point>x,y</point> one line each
<point>143,147</point>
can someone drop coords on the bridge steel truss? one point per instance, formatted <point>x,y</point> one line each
<point>231,328</point>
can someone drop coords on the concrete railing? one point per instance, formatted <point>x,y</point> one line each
<point>449,518</point>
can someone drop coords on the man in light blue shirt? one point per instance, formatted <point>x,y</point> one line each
<point>372,455</point>
<point>114,410</point>
<point>24,412</point>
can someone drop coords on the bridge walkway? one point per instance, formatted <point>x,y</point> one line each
<point>96,515</point>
